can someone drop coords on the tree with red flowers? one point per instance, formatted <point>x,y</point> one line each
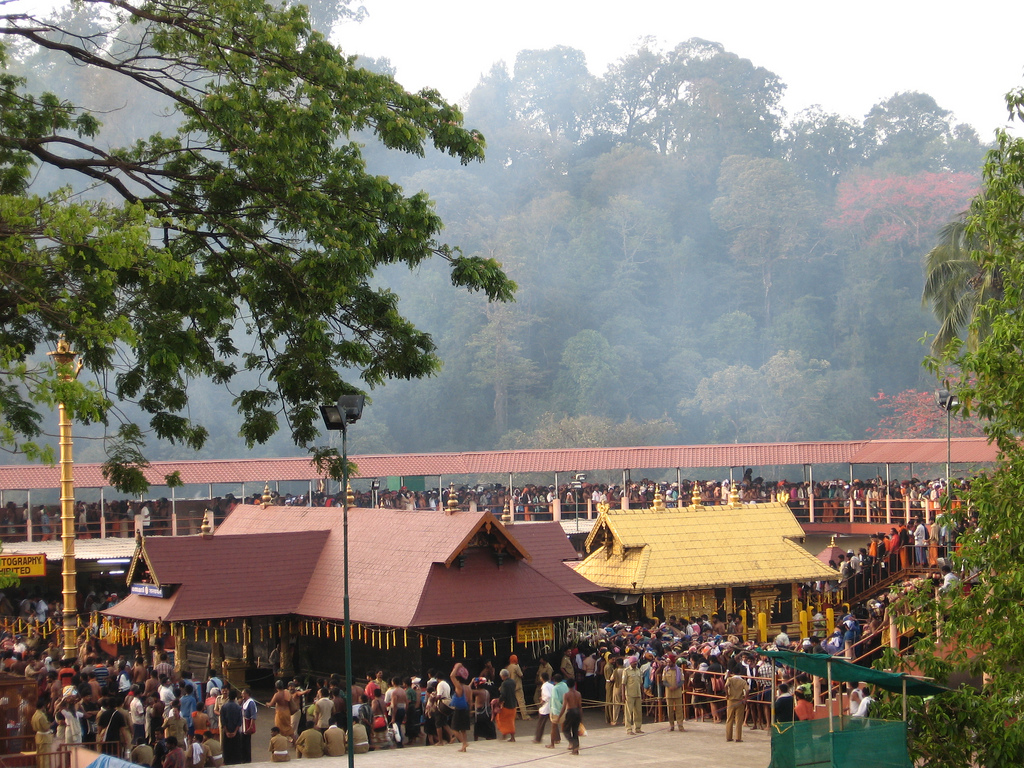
<point>904,211</point>
<point>915,414</point>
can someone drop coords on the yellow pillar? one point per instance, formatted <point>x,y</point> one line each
<point>180,650</point>
<point>65,357</point>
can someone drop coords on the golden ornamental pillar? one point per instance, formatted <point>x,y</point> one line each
<point>64,357</point>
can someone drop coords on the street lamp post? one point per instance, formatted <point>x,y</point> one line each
<point>346,411</point>
<point>947,402</point>
<point>65,358</point>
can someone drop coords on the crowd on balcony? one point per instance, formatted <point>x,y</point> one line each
<point>863,500</point>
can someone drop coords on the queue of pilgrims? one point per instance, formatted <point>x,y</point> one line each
<point>122,517</point>
<point>536,500</point>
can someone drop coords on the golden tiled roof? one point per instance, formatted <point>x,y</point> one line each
<point>698,548</point>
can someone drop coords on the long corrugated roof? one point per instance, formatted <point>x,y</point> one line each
<point>258,471</point>
<point>963,450</point>
<point>110,548</point>
<point>655,551</point>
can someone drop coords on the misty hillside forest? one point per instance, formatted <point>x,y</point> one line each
<point>694,264</point>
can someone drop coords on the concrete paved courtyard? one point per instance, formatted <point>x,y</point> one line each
<point>701,744</point>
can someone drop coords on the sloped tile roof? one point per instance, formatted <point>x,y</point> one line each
<point>686,549</point>
<point>256,472</point>
<point>225,576</point>
<point>394,558</point>
<point>478,591</point>
<point>550,550</point>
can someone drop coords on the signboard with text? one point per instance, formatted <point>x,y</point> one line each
<point>148,590</point>
<point>535,630</point>
<point>23,565</point>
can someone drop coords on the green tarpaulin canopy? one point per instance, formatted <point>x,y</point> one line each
<point>842,670</point>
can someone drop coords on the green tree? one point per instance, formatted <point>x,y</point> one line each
<point>955,285</point>
<point>727,106</point>
<point>498,360</point>
<point>821,146</point>
<point>782,400</point>
<point>553,91</point>
<point>905,126</point>
<point>588,431</point>
<point>909,133</point>
<point>629,92</point>
<point>586,374</point>
<point>266,221</point>
<point>767,212</point>
<point>986,621</point>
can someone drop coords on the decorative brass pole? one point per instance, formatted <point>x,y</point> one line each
<point>65,357</point>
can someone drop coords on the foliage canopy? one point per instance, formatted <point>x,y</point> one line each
<point>982,629</point>
<point>254,212</point>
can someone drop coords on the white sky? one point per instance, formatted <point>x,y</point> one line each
<point>844,56</point>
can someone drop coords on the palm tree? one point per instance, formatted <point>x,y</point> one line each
<point>956,284</point>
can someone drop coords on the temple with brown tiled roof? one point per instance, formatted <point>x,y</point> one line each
<point>421,582</point>
<point>700,559</point>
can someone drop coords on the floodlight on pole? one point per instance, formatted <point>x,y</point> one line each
<point>347,410</point>
<point>947,401</point>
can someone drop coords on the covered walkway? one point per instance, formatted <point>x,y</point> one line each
<point>240,478</point>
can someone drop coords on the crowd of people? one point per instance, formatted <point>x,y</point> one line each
<point>706,667</point>
<point>153,715</point>
<point>831,500</point>
<point>535,502</point>
<point>700,668</point>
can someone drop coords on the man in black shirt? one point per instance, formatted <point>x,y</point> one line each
<point>785,705</point>
<point>231,729</point>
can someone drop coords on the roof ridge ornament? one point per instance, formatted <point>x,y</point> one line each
<point>507,517</point>
<point>659,502</point>
<point>206,529</point>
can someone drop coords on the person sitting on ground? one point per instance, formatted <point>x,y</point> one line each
<point>175,756</point>
<point>309,744</point>
<point>213,749</point>
<point>196,753</point>
<point>334,739</point>
<point>360,741</point>
<point>278,746</point>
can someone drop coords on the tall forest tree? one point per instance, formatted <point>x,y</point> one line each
<point>767,212</point>
<point>553,90</point>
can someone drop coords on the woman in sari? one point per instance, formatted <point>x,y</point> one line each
<point>282,704</point>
